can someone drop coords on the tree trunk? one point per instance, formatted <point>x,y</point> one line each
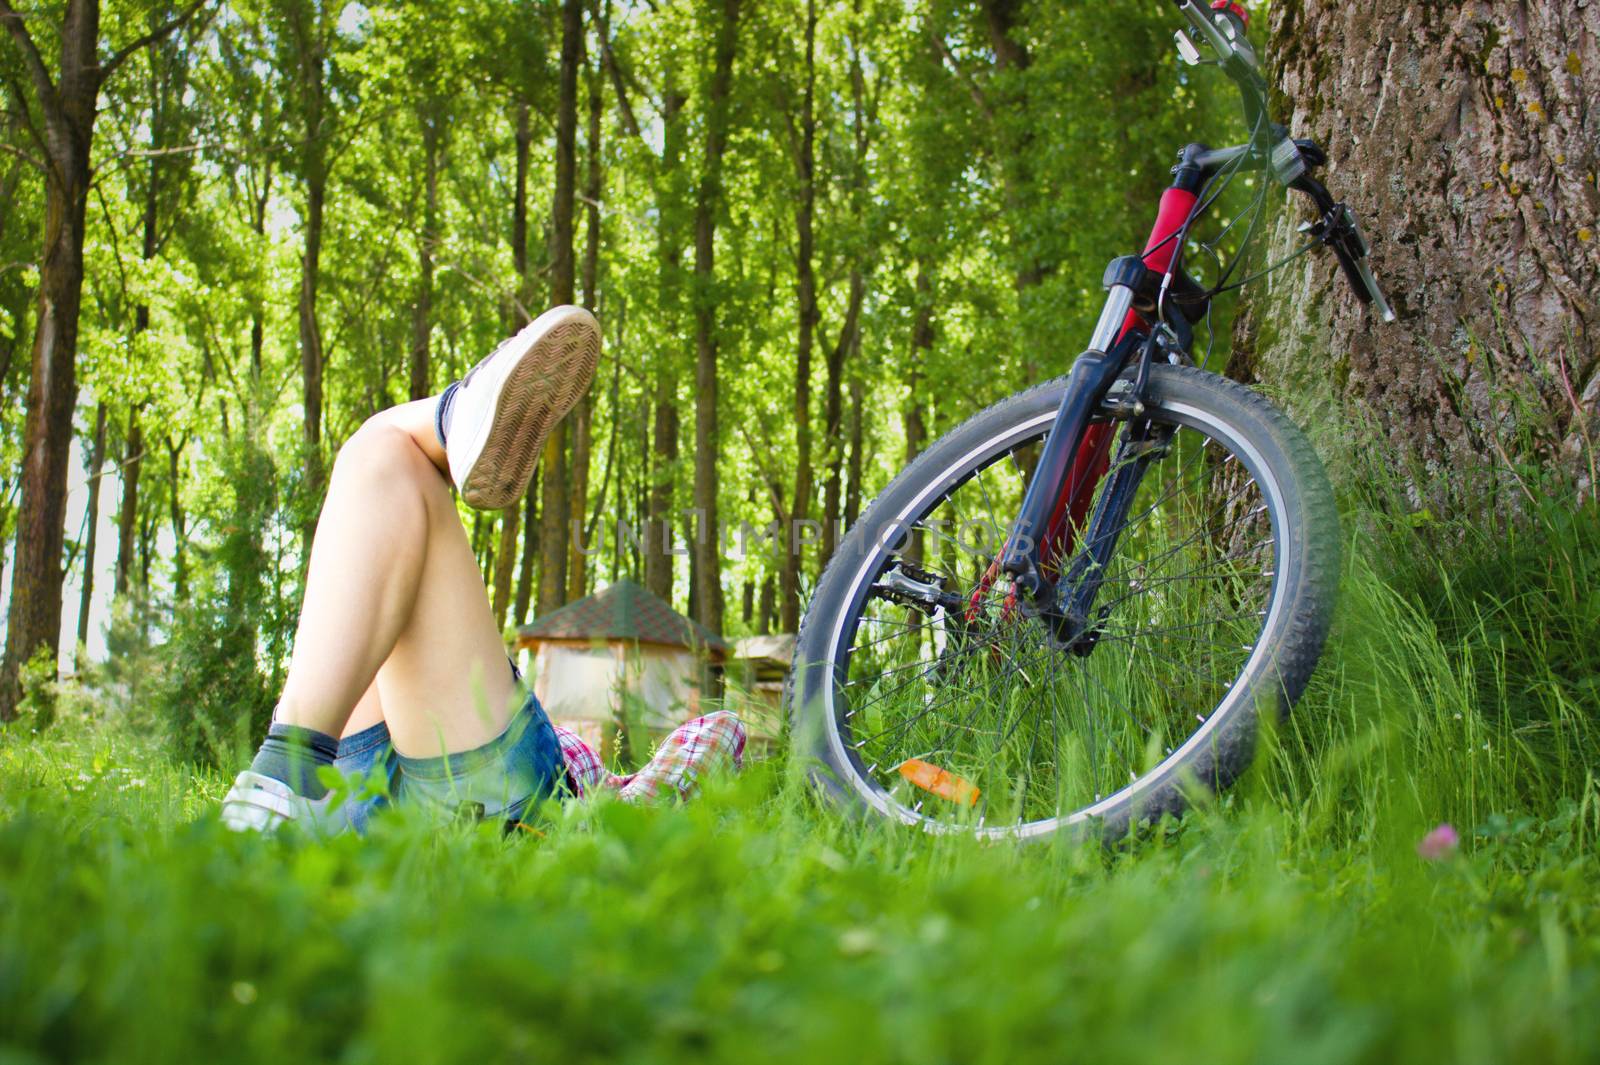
<point>769,605</point>
<point>519,258</point>
<point>258,308</point>
<point>180,558</point>
<point>128,514</point>
<point>583,413</point>
<point>665,422</point>
<point>97,460</point>
<point>916,429</point>
<point>805,290</point>
<point>852,496</point>
<point>69,106</point>
<point>519,208</point>
<point>422,309</point>
<point>706,552</point>
<point>850,332</point>
<point>1014,132</point>
<point>505,562</point>
<point>553,531</point>
<point>311,359</point>
<point>1463,137</point>
<point>530,552</point>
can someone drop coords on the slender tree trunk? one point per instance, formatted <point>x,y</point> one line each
<point>128,513</point>
<point>97,460</point>
<point>833,418</point>
<point>180,536</point>
<point>850,332</point>
<point>1463,137</point>
<point>852,497</point>
<point>422,309</point>
<point>147,535</point>
<point>311,358</point>
<point>806,312</point>
<point>769,605</point>
<point>519,207</point>
<point>708,198</point>
<point>583,413</point>
<point>519,257</point>
<point>530,553</point>
<point>916,430</point>
<point>505,562</point>
<point>553,531</point>
<point>665,421</point>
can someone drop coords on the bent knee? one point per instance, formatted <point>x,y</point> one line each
<point>724,731</point>
<point>383,451</point>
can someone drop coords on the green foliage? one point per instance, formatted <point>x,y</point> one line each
<point>211,692</point>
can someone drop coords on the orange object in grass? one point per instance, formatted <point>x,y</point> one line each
<point>940,782</point>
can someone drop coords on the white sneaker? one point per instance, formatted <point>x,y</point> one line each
<point>495,420</point>
<point>258,803</point>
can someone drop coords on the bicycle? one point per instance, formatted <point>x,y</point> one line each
<point>1071,611</point>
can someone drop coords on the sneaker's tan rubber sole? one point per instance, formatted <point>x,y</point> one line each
<point>545,385</point>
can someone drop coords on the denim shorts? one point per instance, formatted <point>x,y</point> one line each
<point>501,780</point>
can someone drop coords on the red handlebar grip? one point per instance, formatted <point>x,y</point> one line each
<point>1234,8</point>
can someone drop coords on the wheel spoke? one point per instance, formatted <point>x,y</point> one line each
<point>1037,727</point>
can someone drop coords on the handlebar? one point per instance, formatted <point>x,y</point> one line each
<point>1223,27</point>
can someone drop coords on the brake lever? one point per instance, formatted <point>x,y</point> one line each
<point>1339,230</point>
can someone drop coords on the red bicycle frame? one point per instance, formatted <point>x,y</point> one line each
<point>1072,505</point>
<point>1093,373</point>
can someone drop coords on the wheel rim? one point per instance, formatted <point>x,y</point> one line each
<point>1007,736</point>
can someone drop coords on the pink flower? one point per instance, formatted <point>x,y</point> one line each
<point>1439,844</point>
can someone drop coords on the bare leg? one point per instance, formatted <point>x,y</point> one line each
<point>393,595</point>
<point>368,712</point>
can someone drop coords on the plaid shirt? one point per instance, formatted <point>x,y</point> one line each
<point>706,744</point>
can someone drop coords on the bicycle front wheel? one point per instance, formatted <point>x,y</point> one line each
<point>925,691</point>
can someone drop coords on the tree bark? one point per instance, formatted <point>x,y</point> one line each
<point>553,531</point>
<point>708,197</point>
<point>1463,137</point>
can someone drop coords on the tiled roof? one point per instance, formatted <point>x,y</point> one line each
<point>623,611</point>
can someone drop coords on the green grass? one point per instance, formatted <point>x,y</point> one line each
<point>1291,921</point>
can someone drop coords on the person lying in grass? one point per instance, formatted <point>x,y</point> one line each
<point>399,668</point>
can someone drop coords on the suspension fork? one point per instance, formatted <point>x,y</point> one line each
<point>1080,585</point>
<point>1076,453</point>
